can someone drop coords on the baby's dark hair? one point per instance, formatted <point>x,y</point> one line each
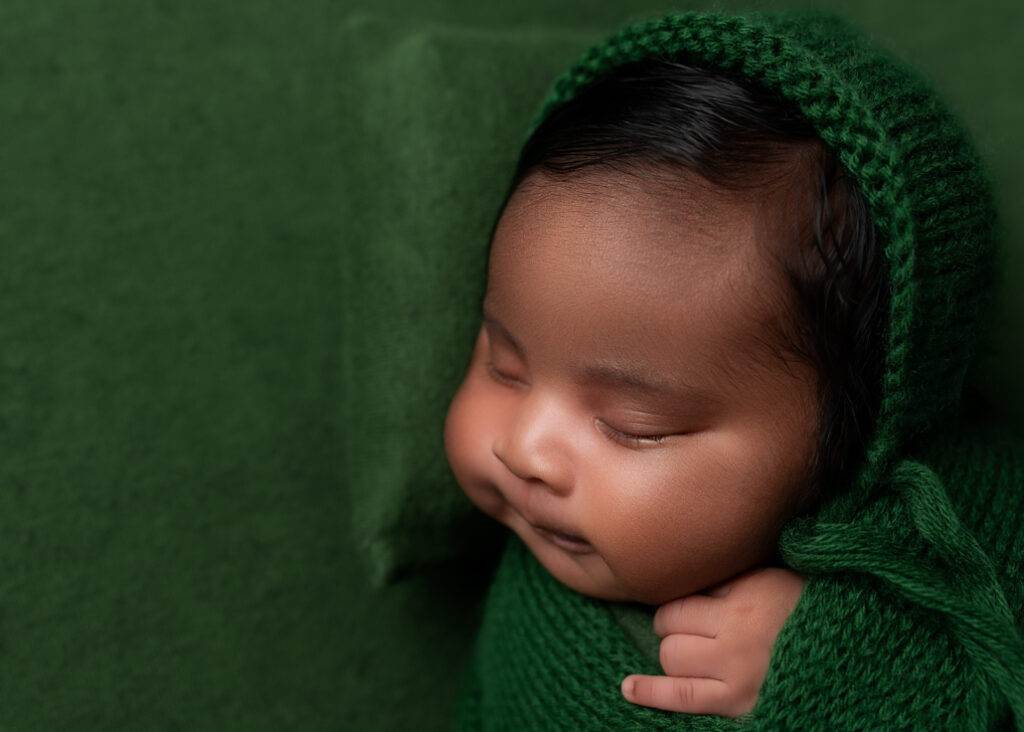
<point>663,120</point>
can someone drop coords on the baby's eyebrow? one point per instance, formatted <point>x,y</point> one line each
<point>625,376</point>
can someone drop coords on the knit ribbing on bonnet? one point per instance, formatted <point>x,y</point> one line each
<point>898,531</point>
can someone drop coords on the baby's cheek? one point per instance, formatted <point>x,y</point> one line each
<point>468,439</point>
<point>673,529</point>
<point>462,422</point>
<point>645,540</point>
<point>458,435</point>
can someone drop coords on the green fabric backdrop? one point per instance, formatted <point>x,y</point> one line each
<point>200,206</point>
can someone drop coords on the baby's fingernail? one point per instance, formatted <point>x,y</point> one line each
<point>627,686</point>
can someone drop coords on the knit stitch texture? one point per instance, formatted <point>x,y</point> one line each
<point>910,617</point>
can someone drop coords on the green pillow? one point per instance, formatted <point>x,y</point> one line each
<point>437,116</point>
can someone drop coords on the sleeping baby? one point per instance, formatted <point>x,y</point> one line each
<point>720,332</point>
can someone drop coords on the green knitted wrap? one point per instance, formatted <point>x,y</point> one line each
<point>910,617</point>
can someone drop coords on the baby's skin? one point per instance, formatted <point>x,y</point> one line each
<point>629,412</point>
<point>716,645</point>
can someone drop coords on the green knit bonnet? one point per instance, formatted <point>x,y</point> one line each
<point>932,207</point>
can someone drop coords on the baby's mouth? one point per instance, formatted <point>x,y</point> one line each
<point>563,540</point>
<point>568,542</point>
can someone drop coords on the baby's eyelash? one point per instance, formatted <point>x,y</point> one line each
<point>629,439</point>
<point>500,377</point>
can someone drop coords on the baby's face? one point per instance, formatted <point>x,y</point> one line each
<point>624,412</point>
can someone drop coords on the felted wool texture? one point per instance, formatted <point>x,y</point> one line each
<point>176,544</point>
<point>169,490</point>
<point>908,604</point>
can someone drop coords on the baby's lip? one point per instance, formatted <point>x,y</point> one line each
<point>568,542</point>
<point>552,533</point>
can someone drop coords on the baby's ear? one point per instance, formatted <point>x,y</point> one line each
<point>434,117</point>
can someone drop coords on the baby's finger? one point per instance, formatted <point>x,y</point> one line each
<point>686,695</point>
<point>695,614</point>
<point>692,655</point>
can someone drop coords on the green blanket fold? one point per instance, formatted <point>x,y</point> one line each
<point>549,658</point>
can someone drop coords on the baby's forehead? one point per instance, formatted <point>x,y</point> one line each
<point>665,219</point>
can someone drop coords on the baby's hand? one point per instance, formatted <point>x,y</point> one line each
<point>715,646</point>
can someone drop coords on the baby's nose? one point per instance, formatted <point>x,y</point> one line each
<point>535,449</point>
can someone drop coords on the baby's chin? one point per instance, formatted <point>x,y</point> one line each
<point>591,575</point>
